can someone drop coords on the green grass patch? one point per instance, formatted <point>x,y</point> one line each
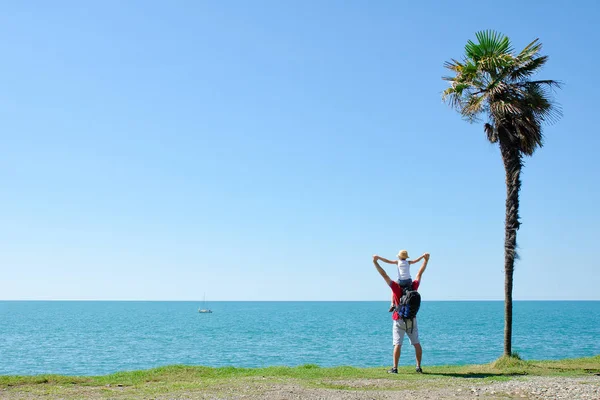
<point>512,361</point>
<point>192,379</point>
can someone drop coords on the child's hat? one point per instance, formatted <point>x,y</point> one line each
<point>403,254</point>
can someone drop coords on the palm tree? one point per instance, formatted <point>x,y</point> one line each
<point>494,82</point>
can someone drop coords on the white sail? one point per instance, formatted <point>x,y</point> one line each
<point>204,310</point>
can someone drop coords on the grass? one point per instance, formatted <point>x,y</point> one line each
<point>182,379</point>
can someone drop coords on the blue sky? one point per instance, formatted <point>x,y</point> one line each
<point>265,150</point>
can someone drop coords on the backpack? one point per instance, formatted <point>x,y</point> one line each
<point>409,304</point>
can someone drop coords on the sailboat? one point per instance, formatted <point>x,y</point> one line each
<point>204,310</point>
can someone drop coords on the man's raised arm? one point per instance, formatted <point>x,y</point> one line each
<point>383,274</point>
<point>422,269</point>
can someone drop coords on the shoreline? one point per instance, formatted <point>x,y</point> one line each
<point>502,366</point>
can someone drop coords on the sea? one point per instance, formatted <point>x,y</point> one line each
<point>102,337</point>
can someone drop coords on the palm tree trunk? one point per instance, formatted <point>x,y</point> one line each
<point>512,165</point>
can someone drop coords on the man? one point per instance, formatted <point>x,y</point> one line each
<point>400,327</point>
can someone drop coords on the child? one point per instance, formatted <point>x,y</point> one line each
<point>404,278</point>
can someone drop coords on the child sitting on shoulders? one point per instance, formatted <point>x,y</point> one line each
<point>403,264</point>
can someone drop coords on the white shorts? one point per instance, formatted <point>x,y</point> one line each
<point>400,328</point>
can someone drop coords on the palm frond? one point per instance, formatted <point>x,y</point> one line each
<point>490,43</point>
<point>452,98</point>
<point>538,98</point>
<point>505,110</point>
<point>528,68</point>
<point>453,65</point>
<point>473,106</point>
<point>529,51</point>
<point>495,62</point>
<point>550,84</point>
<point>528,132</point>
<point>491,132</point>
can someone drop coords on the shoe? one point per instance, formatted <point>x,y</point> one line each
<point>419,370</point>
<point>391,308</point>
<point>393,371</point>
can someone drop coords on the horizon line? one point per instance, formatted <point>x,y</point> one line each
<point>273,301</point>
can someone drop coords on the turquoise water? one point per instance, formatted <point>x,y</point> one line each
<point>91,338</point>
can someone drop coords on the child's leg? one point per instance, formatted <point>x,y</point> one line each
<point>405,282</point>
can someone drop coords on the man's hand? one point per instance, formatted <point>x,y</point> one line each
<point>375,257</point>
<point>426,255</point>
